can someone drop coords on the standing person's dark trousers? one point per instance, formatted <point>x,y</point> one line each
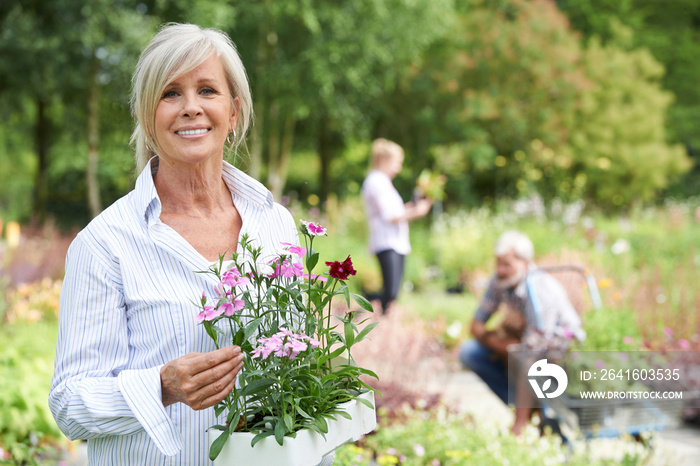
<point>392,265</point>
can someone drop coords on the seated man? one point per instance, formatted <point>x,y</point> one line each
<point>536,299</point>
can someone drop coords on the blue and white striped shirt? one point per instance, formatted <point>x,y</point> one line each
<point>126,309</point>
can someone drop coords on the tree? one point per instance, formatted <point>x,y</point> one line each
<point>505,76</point>
<point>110,33</point>
<point>671,32</point>
<point>618,146</point>
<point>61,53</point>
<point>33,60</point>
<point>516,103</point>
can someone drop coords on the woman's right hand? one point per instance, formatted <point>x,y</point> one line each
<point>201,380</point>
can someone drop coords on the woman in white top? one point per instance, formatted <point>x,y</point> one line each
<point>134,374</point>
<point>388,216</point>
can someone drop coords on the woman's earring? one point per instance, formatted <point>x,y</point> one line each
<point>231,138</point>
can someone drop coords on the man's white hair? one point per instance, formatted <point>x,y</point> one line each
<point>517,242</point>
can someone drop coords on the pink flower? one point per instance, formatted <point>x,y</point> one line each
<point>296,250</point>
<point>668,331</point>
<point>568,334</point>
<point>230,308</point>
<point>263,351</point>
<point>314,277</point>
<point>314,229</point>
<point>208,313</point>
<point>284,344</point>
<point>233,277</point>
<point>623,357</point>
<point>683,343</point>
<point>627,340</point>
<point>313,342</point>
<point>295,347</point>
<point>286,269</point>
<point>599,364</point>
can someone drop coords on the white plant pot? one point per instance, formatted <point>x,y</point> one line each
<point>307,449</point>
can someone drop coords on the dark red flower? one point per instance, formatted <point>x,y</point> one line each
<point>341,270</point>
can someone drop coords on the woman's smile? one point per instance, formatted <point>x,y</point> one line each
<point>192,132</point>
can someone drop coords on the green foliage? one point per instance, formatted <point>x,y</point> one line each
<point>619,144</point>
<point>17,163</point>
<point>26,365</point>
<point>606,330</point>
<point>53,52</point>
<point>669,30</point>
<point>520,104</point>
<point>462,243</point>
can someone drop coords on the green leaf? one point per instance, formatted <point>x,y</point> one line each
<point>259,437</point>
<point>279,432</point>
<point>256,385</point>
<point>251,328</point>
<point>217,445</point>
<point>289,422</point>
<point>362,301</point>
<point>349,334</point>
<point>369,372</point>
<point>365,402</point>
<point>363,333</point>
<point>332,355</point>
<point>303,413</point>
<point>322,424</point>
<point>233,417</point>
<point>311,261</point>
<point>343,414</point>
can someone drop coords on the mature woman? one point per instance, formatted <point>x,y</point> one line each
<point>388,216</point>
<point>134,373</point>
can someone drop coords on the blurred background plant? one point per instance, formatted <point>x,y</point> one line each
<point>442,437</point>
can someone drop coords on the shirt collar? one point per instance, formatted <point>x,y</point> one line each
<point>246,186</point>
<point>240,184</point>
<point>145,190</point>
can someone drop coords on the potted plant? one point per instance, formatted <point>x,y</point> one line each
<point>299,392</point>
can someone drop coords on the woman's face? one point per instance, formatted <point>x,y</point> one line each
<point>194,115</point>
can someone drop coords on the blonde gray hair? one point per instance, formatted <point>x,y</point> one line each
<point>516,242</point>
<point>175,50</point>
<point>382,149</point>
